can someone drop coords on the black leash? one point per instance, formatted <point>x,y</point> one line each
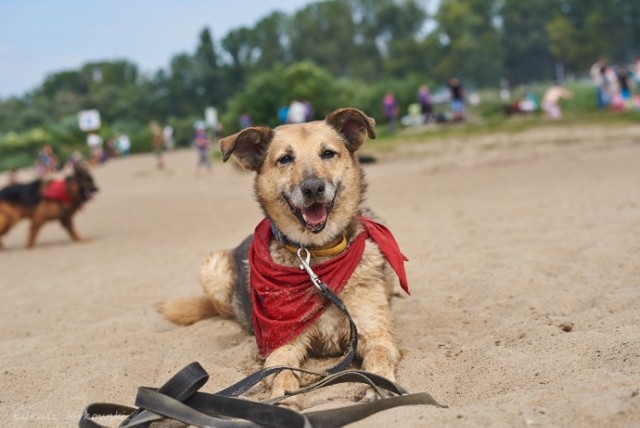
<point>349,354</point>
<point>179,398</point>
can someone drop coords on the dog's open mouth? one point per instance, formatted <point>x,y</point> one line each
<point>87,195</point>
<point>314,217</point>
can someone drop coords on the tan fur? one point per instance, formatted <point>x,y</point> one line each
<point>186,311</point>
<point>217,279</point>
<point>369,289</point>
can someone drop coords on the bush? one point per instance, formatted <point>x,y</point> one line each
<point>267,92</point>
<point>20,149</point>
<point>183,130</point>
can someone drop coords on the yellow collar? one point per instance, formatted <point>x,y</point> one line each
<point>331,249</point>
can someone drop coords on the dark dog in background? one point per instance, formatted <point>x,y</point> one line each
<point>46,200</point>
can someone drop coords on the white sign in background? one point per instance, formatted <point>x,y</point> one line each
<point>89,120</point>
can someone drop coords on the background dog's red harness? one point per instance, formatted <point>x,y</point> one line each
<point>57,191</point>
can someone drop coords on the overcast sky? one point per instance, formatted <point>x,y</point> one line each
<point>39,37</point>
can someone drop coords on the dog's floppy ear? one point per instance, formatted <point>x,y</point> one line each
<point>249,146</point>
<point>353,124</point>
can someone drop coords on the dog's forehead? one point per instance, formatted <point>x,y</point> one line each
<point>302,136</point>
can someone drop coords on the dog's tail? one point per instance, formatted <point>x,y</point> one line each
<point>186,311</point>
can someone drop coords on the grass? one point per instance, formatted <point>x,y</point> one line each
<point>477,126</point>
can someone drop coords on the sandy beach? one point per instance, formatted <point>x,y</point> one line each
<point>524,274</point>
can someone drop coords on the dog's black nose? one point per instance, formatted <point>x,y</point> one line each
<point>312,188</point>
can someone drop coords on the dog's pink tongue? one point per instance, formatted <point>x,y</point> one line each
<point>315,214</point>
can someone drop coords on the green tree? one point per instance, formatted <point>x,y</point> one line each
<point>525,41</point>
<point>399,27</point>
<point>240,47</point>
<point>207,81</point>
<point>69,81</point>
<point>181,86</point>
<point>368,62</point>
<point>564,40</point>
<point>468,41</point>
<point>270,39</point>
<point>324,33</point>
<point>386,38</point>
<point>608,28</point>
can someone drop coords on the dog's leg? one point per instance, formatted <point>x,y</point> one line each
<point>376,346</point>
<point>37,220</point>
<point>289,355</point>
<point>217,278</point>
<point>5,225</point>
<point>44,212</point>
<point>380,355</point>
<point>67,223</point>
<point>8,218</point>
<point>33,232</point>
<point>379,352</point>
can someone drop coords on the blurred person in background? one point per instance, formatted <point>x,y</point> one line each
<point>390,110</point>
<point>203,145</point>
<point>123,144</point>
<point>157,142</point>
<point>424,99</point>
<point>551,101</point>
<point>94,142</point>
<point>457,99</point>
<point>46,162</point>
<point>297,112</point>
<point>598,79</point>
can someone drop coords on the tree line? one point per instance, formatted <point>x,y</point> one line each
<point>332,53</point>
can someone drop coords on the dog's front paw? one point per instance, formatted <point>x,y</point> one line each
<point>293,403</point>
<point>368,394</point>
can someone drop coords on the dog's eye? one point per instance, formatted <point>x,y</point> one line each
<point>328,154</point>
<point>285,159</point>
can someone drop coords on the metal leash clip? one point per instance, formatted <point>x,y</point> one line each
<point>304,265</point>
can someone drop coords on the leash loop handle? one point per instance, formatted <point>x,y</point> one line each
<point>190,406</point>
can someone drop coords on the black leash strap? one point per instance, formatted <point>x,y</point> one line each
<point>215,410</point>
<point>181,386</point>
<point>304,256</point>
<point>180,400</point>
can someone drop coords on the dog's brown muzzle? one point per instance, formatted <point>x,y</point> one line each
<point>314,206</point>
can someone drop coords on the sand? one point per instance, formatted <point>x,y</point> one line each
<point>524,270</point>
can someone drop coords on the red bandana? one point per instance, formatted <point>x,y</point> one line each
<point>285,302</point>
<point>56,190</point>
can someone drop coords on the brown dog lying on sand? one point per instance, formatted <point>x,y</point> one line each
<point>42,201</point>
<point>311,187</point>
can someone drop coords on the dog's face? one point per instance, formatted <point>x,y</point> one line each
<point>308,181</point>
<point>85,183</point>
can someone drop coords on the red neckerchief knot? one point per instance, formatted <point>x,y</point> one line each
<point>57,190</point>
<point>284,301</point>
